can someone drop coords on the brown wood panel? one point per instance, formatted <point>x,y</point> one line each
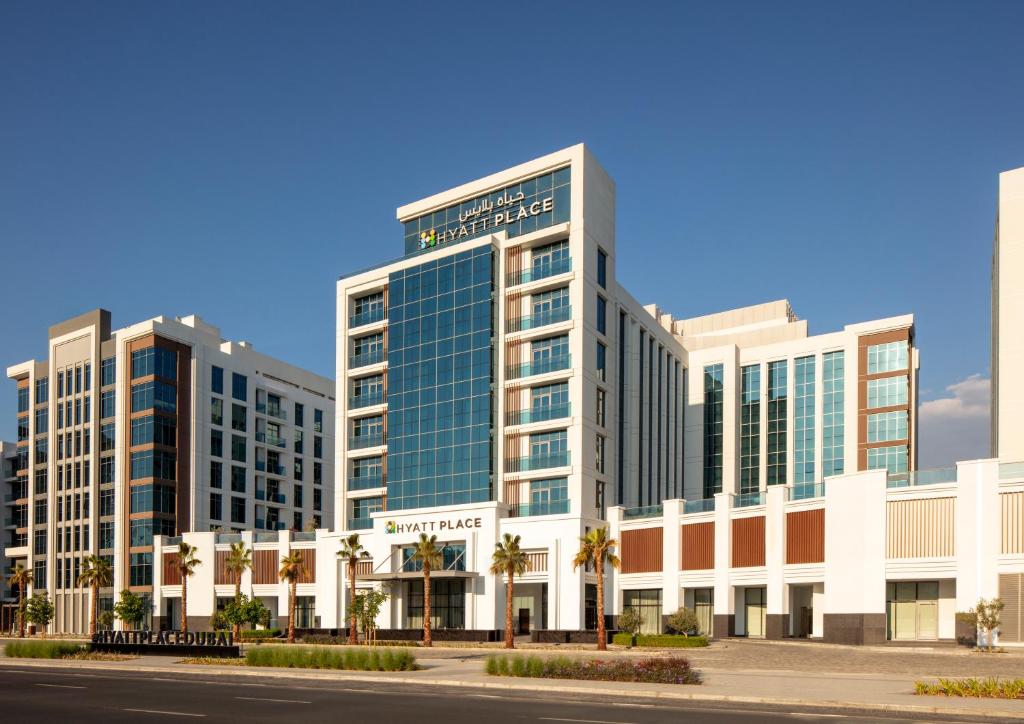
<point>265,566</point>
<point>698,541</point>
<point>748,542</point>
<point>363,568</point>
<point>642,550</point>
<point>512,497</point>
<point>221,574</point>
<point>805,536</point>
<point>171,573</point>
<point>309,564</point>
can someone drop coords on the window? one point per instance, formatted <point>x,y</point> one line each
<point>106,501</point>
<point>547,355</point>
<point>893,458</point>
<point>141,569</point>
<point>238,448</point>
<point>600,407</point>
<point>888,391</point>
<point>299,410</point>
<point>602,269</point>
<point>803,421</point>
<point>43,389</point>
<point>23,399</point>
<point>87,408</point>
<point>41,484</point>
<point>216,474</point>
<point>78,380</point>
<point>646,602</point>
<point>107,371</point>
<point>152,499</point>
<point>602,356</point>
<point>217,380</point>
<point>549,260</point>
<point>40,512</point>
<point>78,411</point>
<point>298,442</point>
<point>154,429</point>
<point>238,417</point>
<point>548,450</point>
<point>778,374</point>
<point>238,510</point>
<point>599,453</point>
<point>602,315</point>
<point>60,390</point>
<point>154,395</point>
<point>237,479</point>
<point>216,513</point>
<point>318,420</point>
<point>888,426</point>
<point>23,428</point>
<point>298,469</point>
<point>42,420</point>
<point>750,428</point>
<point>318,495</point>
<point>714,397</point>
<point>87,374</point>
<point>41,451</point>
<point>106,535</point>
<point>297,497</point>
<point>60,416</point>
<point>318,446</point>
<point>832,419</point>
<point>367,309</point>
<point>217,443</point>
<point>239,386</point>
<point>549,402</point>
<point>888,357</point>
<point>107,408</point>
<point>39,549</point>
<point>548,308</point>
<point>367,391</point>
<point>153,464</point>
<point>216,411</point>
<point>318,473</point>
<point>107,470</point>
<point>154,361</point>
<point>367,350</point>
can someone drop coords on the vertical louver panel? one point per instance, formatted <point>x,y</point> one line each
<point>748,542</point>
<point>698,542</point>
<point>923,528</point>
<point>171,574</point>
<point>805,536</point>
<point>264,566</point>
<point>642,550</point>
<point>1010,593</point>
<point>1012,505</point>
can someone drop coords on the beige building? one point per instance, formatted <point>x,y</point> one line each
<point>1008,320</point>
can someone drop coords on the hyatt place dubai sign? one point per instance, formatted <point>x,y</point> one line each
<point>164,638</point>
<point>520,208</point>
<point>427,526</point>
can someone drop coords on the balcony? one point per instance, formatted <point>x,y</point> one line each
<point>538,462</point>
<point>540,271</point>
<point>805,491</point>
<point>269,525</point>
<point>272,468</point>
<point>1009,471</point>
<point>359,523</point>
<point>647,511</point>
<point>227,538</point>
<point>359,442</point>
<point>747,500</point>
<point>705,505</point>
<point>265,537</point>
<point>365,359</point>
<point>367,400</point>
<point>367,317</point>
<point>366,483</point>
<point>269,438</point>
<point>541,319</point>
<point>538,414</point>
<point>271,411</point>
<point>303,535</point>
<point>540,367</point>
<point>935,476</point>
<point>551,507</point>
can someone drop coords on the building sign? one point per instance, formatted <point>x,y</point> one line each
<point>165,638</point>
<point>519,208</point>
<point>429,526</point>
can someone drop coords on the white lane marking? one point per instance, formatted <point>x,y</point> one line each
<point>60,686</point>
<point>817,716</point>
<point>583,721</point>
<point>167,713</point>
<point>280,701</point>
<point>485,696</point>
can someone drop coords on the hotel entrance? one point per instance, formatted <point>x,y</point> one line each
<point>447,603</point>
<point>912,610</point>
<point>755,606</point>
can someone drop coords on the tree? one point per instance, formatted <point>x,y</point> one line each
<point>239,560</point>
<point>106,619</point>
<point>597,548</point>
<point>130,608</point>
<point>187,564</point>
<point>39,610</point>
<point>631,621</point>
<point>244,610</point>
<point>364,609</point>
<point>293,567</point>
<point>426,552</point>
<point>96,574</point>
<point>985,617</point>
<point>511,560</point>
<point>20,578</point>
<point>684,621</point>
<point>352,552</point>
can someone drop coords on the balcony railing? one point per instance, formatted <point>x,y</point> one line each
<point>270,525</point>
<point>539,462</point>
<point>366,358</point>
<point>301,535</point>
<point>368,317</point>
<point>935,476</point>
<point>270,497</point>
<point>746,500</point>
<point>1008,471</point>
<point>538,414</point>
<point>366,483</point>
<point>706,505</point>
<point>551,507</point>
<point>269,438</point>
<point>360,523</point>
<point>271,411</point>
<point>805,491</point>
<point>646,511</point>
<point>540,271</point>
<point>227,537</point>
<point>541,319</point>
<point>265,537</point>
<point>540,367</point>
<point>359,442</point>
<point>373,398</point>
<point>268,467</point>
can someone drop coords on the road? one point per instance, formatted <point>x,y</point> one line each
<point>45,695</point>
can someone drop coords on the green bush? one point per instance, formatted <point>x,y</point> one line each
<point>664,641</point>
<point>349,659</point>
<point>990,688</point>
<point>669,670</point>
<point>264,633</point>
<point>41,649</point>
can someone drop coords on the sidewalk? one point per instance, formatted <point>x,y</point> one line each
<point>464,668</point>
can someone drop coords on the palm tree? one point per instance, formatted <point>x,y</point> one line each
<point>238,561</point>
<point>187,564</point>
<point>351,552</point>
<point>293,567</point>
<point>597,548</point>
<point>20,578</point>
<point>510,559</point>
<point>96,574</point>
<point>425,551</point>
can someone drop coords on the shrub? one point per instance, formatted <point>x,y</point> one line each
<point>325,640</point>
<point>265,633</point>
<point>669,670</point>
<point>990,688</point>
<point>684,621</point>
<point>664,641</point>
<point>41,649</point>
<point>351,659</point>
<point>630,621</point>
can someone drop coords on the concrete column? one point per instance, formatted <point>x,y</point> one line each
<point>978,537</point>
<point>776,623</point>
<point>725,606</point>
<point>670,556</point>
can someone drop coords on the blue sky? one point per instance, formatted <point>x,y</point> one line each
<point>232,159</point>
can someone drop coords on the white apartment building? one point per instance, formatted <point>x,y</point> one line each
<point>159,428</point>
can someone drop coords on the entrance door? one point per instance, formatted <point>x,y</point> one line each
<point>755,609</point>
<point>524,621</point>
<point>913,608</point>
<point>704,607</point>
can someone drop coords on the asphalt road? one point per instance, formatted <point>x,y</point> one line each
<point>48,695</point>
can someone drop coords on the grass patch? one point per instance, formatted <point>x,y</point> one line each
<point>670,670</point>
<point>213,661</point>
<point>349,659</point>
<point>41,649</point>
<point>661,641</point>
<point>99,656</point>
<point>989,688</point>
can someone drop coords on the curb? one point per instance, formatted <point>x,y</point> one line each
<point>506,684</point>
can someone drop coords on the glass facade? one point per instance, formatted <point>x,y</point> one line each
<point>888,391</point>
<point>714,397</point>
<point>888,426</point>
<point>750,428</point>
<point>778,379</point>
<point>832,422</point>
<point>893,458</point>
<point>888,357</point>
<point>440,374</point>
<point>803,420</point>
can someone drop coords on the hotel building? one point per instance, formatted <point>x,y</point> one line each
<point>157,429</point>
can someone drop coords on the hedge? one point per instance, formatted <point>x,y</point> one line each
<point>265,633</point>
<point>669,670</point>
<point>351,659</point>
<point>990,688</point>
<point>41,649</point>
<point>661,641</point>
